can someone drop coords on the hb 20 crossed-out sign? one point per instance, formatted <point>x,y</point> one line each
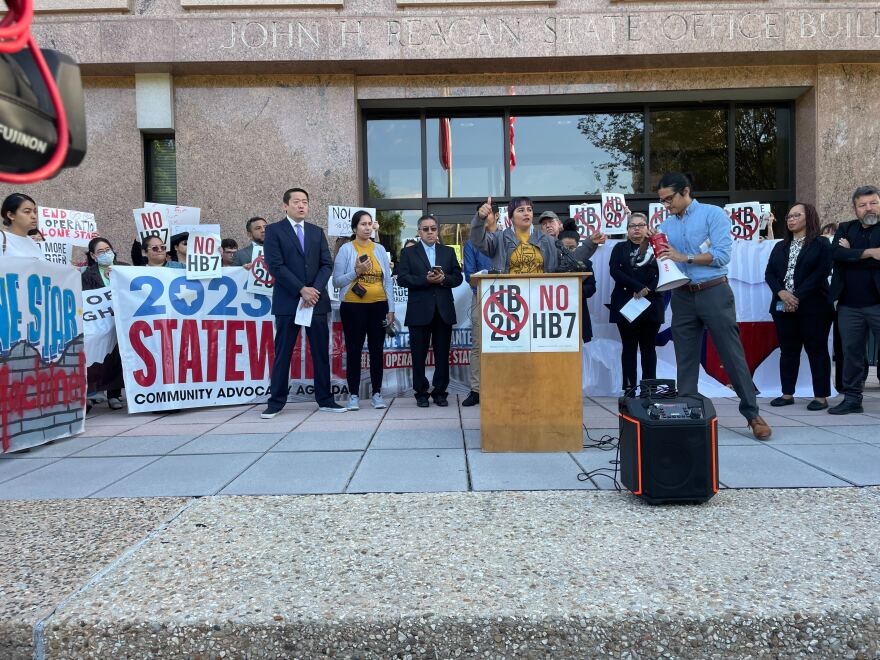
<point>540,315</point>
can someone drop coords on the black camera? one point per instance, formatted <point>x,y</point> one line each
<point>28,133</point>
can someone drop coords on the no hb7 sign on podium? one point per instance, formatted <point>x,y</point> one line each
<point>531,315</point>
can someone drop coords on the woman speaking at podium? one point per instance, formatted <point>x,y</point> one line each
<point>520,249</point>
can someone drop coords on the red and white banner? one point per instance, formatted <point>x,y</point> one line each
<point>588,218</point>
<point>613,214</point>
<point>74,227</point>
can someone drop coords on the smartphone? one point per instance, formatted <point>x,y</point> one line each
<point>437,269</point>
<point>363,258</point>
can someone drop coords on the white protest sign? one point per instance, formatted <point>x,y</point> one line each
<point>339,219</point>
<point>503,219</point>
<point>260,281</point>
<point>766,211</point>
<point>613,213</point>
<point>152,223</point>
<point>555,325</point>
<point>588,218</point>
<point>538,315</point>
<point>505,317</point>
<point>657,214</point>
<point>77,227</point>
<point>745,220</point>
<point>203,254</point>
<point>58,252</point>
<point>176,215</point>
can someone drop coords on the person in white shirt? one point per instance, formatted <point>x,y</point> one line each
<point>19,213</point>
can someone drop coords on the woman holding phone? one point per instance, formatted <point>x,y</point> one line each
<point>362,273</point>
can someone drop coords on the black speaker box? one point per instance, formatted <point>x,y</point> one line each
<point>669,448</point>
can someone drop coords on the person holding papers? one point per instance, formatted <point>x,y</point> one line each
<point>298,256</point>
<point>635,273</point>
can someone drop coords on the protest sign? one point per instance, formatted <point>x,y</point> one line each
<point>503,219</point>
<point>99,327</point>
<point>745,220</point>
<point>152,223</point>
<point>339,219</point>
<point>588,218</point>
<point>531,315</point>
<point>260,281</point>
<point>75,227</point>
<point>657,214</point>
<point>42,362</point>
<point>613,213</point>
<point>176,215</point>
<point>57,252</point>
<point>203,254</point>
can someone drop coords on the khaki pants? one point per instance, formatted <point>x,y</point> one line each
<point>476,331</point>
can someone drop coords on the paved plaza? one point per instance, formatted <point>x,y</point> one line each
<point>215,534</point>
<point>403,449</point>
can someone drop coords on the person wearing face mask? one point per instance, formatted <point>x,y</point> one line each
<point>106,375</point>
<point>855,285</point>
<point>19,213</point>
<point>797,274</point>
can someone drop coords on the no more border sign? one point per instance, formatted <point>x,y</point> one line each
<point>530,315</point>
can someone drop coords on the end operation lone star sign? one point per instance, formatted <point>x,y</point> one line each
<point>531,315</point>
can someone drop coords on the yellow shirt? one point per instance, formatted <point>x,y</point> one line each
<point>526,258</point>
<point>371,280</point>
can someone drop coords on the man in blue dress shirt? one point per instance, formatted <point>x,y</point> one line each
<point>700,242</point>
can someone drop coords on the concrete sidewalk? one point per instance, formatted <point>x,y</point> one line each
<point>231,451</point>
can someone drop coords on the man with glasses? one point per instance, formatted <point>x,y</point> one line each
<point>430,271</point>
<point>228,247</point>
<point>855,285</point>
<point>700,242</point>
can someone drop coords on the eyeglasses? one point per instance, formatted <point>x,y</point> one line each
<point>157,248</point>
<point>666,201</point>
<point>640,225</point>
<point>791,216</point>
<point>104,251</point>
<point>428,230</point>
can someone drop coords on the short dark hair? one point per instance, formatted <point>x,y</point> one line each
<point>427,216</point>
<point>11,205</point>
<point>861,191</point>
<point>567,233</point>
<point>228,244</point>
<point>515,203</point>
<point>146,242</point>
<point>678,181</point>
<point>288,193</point>
<point>250,222</point>
<point>356,218</point>
<point>408,242</point>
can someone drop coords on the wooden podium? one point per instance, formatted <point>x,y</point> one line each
<point>530,362</point>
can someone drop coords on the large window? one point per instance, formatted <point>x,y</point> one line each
<point>160,165</point>
<point>446,162</point>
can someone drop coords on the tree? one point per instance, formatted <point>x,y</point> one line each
<point>620,136</point>
<point>391,223</point>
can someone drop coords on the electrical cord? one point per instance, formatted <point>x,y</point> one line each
<point>15,32</point>
<point>605,443</point>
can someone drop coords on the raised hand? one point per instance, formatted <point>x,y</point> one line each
<point>486,209</point>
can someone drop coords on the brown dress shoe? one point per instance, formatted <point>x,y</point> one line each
<point>760,429</point>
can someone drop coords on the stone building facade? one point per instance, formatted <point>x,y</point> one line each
<point>345,98</point>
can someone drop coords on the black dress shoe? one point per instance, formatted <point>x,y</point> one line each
<point>846,407</point>
<point>422,401</point>
<point>817,405</point>
<point>782,401</point>
<point>473,399</point>
<point>440,400</point>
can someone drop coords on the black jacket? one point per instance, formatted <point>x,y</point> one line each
<point>588,288</point>
<point>810,275</point>
<point>629,280</point>
<point>424,298</point>
<point>91,278</point>
<point>844,256</point>
<point>293,270</point>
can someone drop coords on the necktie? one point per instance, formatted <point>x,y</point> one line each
<point>299,235</point>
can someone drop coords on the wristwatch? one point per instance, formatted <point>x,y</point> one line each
<point>690,258</point>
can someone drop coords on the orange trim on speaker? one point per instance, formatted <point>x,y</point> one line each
<point>714,454</point>
<point>638,449</point>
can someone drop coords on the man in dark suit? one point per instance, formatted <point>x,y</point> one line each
<point>298,256</point>
<point>430,271</point>
<point>256,231</point>
<point>855,285</point>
